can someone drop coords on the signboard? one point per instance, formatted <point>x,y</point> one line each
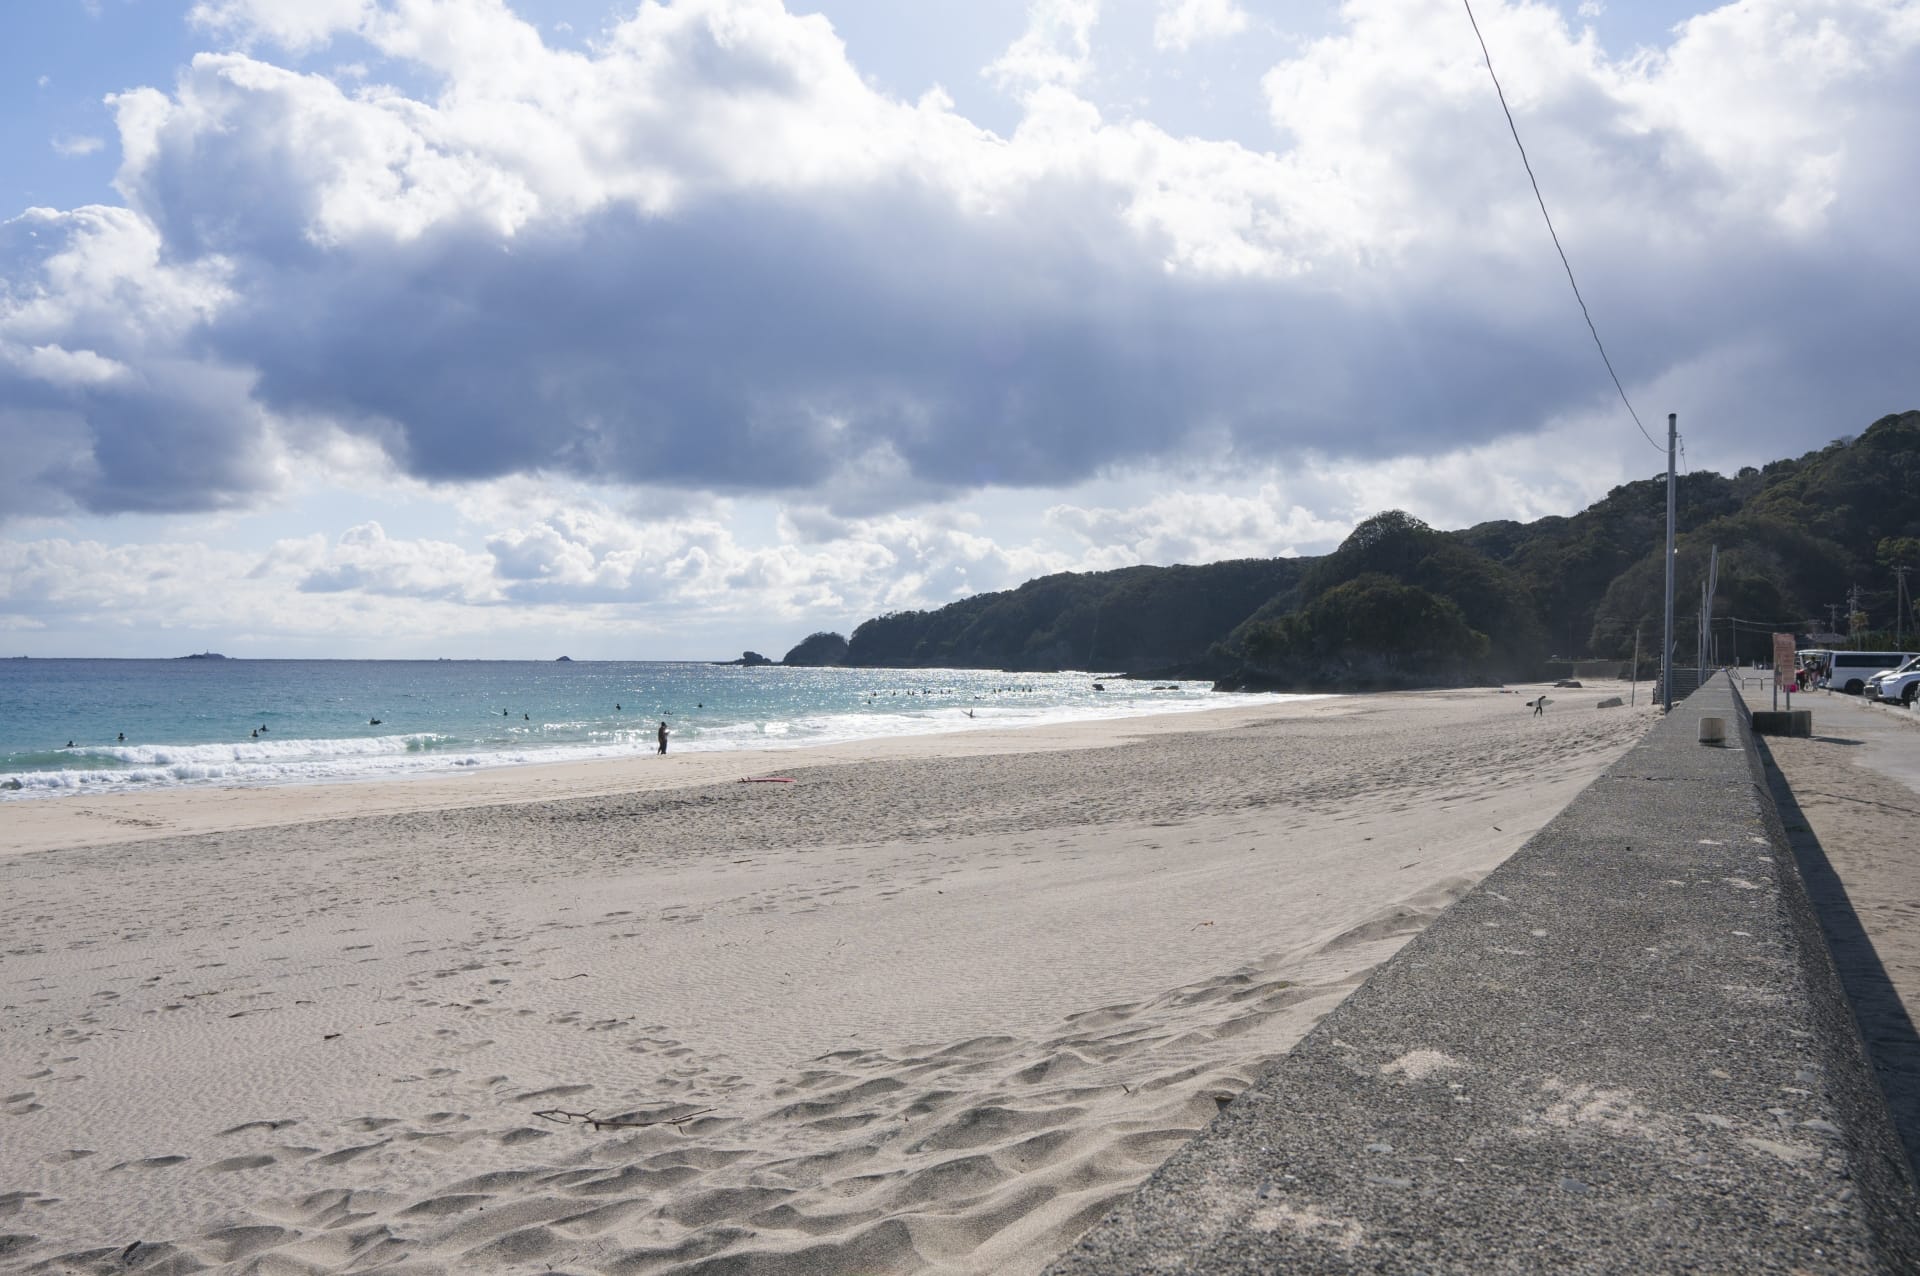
<point>1783,668</point>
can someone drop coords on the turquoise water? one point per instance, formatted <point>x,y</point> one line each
<point>252,722</point>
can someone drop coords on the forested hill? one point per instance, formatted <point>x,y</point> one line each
<point>1400,603</point>
<point>1134,618</point>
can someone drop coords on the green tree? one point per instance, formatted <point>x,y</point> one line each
<point>1372,627</point>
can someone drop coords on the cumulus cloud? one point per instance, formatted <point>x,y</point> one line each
<point>1181,24</point>
<point>578,551</point>
<point>102,405</point>
<point>526,561</point>
<point>96,598</point>
<point>295,25</point>
<point>1197,527</point>
<point>1055,49</point>
<point>78,144</point>
<point>364,558</point>
<point>705,253</point>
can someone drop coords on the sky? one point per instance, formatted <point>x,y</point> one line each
<point>665,330</point>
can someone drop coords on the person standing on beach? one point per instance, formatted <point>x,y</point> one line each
<point>663,737</point>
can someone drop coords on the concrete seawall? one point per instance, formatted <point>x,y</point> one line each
<point>1626,1050</point>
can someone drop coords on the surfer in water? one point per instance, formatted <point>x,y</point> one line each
<point>663,737</point>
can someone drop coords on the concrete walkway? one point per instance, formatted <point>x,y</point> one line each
<point>1626,1051</point>
<point>1850,800</point>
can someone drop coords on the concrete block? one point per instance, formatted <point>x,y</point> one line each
<point>1783,722</point>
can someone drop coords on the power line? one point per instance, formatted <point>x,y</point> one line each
<point>1541,200</point>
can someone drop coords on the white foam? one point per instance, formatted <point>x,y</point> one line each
<point>317,761</point>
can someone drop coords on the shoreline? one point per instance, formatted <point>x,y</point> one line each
<point>66,821</point>
<point>926,1011</point>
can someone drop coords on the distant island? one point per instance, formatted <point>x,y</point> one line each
<point>563,660</point>
<point>202,655</point>
<point>747,658</point>
<point>1402,604</point>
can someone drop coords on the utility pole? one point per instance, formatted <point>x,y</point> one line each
<point>1833,618</point>
<point>1700,643</point>
<point>1900,605</point>
<point>1666,631</point>
<point>1635,672</point>
<point>1708,588</point>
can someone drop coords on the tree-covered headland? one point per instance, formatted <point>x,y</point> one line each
<point>1808,544</point>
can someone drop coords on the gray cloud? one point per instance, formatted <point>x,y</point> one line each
<point>764,345</point>
<point>883,331</point>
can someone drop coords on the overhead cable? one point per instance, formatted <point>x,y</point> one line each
<point>1541,200</point>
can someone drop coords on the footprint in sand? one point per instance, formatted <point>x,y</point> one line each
<point>266,1126</point>
<point>441,1206</point>
<point>343,1155</point>
<point>15,1202</point>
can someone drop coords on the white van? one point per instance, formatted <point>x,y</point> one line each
<point>1848,671</point>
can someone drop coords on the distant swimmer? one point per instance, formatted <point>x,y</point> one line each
<point>663,737</point>
<point>616,708</point>
<point>503,713</point>
<point>373,722</point>
<point>526,717</point>
<point>123,737</point>
<point>663,744</point>
<point>253,735</point>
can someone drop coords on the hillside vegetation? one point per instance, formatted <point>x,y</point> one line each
<point>1400,603</point>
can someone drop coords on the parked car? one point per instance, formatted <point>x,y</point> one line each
<point>1850,670</point>
<point>1901,685</point>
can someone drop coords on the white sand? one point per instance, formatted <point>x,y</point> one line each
<point>946,998</point>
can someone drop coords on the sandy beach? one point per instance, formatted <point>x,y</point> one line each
<point>932,1006</point>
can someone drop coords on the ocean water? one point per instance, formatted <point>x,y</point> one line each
<point>94,726</point>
